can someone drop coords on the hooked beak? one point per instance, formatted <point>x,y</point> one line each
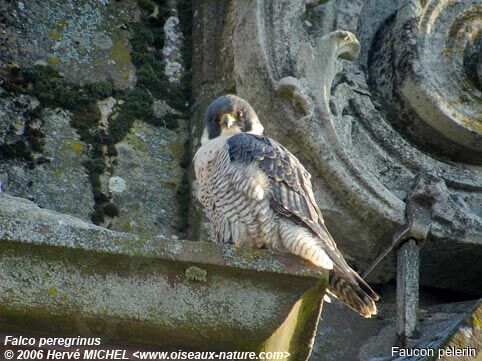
<point>228,121</point>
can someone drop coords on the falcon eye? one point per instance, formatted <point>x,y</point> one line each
<point>240,113</point>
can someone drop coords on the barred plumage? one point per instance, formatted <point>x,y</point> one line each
<point>257,194</point>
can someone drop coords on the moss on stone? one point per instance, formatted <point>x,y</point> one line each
<point>85,120</point>
<point>183,196</point>
<point>111,210</point>
<point>35,137</point>
<point>185,159</point>
<point>119,127</point>
<point>146,41</point>
<point>32,141</point>
<point>96,165</point>
<point>95,168</point>
<point>98,214</point>
<point>138,103</point>
<point>171,121</point>
<point>185,17</point>
<point>147,5</point>
<point>99,90</point>
<point>197,274</point>
<point>16,150</point>
<point>53,91</point>
<point>37,73</point>
<point>111,150</point>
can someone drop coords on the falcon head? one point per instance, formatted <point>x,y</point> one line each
<point>228,115</point>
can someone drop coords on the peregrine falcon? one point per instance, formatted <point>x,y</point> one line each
<point>257,194</point>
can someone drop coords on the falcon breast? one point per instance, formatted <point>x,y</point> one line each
<point>257,194</point>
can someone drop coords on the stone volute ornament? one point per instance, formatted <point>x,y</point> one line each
<point>395,94</point>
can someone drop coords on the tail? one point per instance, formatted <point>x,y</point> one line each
<point>345,283</point>
<point>353,292</point>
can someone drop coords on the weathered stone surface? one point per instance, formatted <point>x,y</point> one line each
<point>101,65</point>
<point>342,333</point>
<point>344,336</point>
<point>467,336</point>
<point>433,83</point>
<point>161,109</point>
<point>62,275</point>
<point>407,290</point>
<point>145,181</point>
<point>172,48</point>
<point>54,177</point>
<point>450,325</point>
<point>346,120</point>
<point>212,51</point>
<point>86,41</point>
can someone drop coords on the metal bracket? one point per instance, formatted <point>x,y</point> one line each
<point>408,241</point>
<point>418,214</point>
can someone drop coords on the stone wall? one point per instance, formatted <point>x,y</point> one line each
<point>93,108</point>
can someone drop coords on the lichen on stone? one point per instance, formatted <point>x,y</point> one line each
<point>197,274</point>
<point>103,112</point>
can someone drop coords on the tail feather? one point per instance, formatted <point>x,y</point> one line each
<point>354,292</point>
<point>345,283</point>
<point>365,287</point>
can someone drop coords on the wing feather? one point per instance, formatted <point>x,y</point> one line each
<point>290,185</point>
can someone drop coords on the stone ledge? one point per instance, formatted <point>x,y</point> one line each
<point>23,221</point>
<point>60,275</point>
